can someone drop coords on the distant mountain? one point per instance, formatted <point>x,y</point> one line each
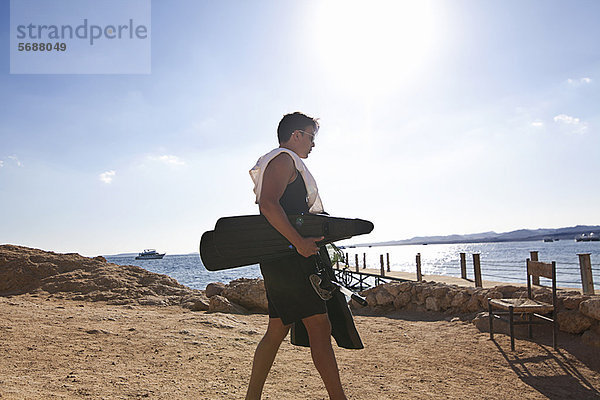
<point>486,237</point>
<point>121,255</point>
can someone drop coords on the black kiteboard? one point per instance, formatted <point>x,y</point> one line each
<point>250,239</point>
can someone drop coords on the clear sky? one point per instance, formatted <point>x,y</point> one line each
<point>436,118</point>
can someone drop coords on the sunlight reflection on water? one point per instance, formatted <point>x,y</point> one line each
<point>504,262</point>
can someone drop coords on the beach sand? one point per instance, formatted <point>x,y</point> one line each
<point>57,348</point>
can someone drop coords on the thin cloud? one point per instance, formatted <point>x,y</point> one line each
<point>107,177</point>
<point>580,81</point>
<point>567,119</point>
<point>573,122</point>
<point>1,163</point>
<point>168,159</point>
<point>537,124</point>
<point>16,160</point>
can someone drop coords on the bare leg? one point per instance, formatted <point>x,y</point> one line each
<point>264,357</point>
<point>319,334</point>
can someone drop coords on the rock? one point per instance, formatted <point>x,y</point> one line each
<point>152,301</point>
<point>507,290</point>
<point>542,294</point>
<point>591,308</point>
<point>414,292</point>
<point>405,286</point>
<point>459,299</point>
<point>369,296</point>
<point>440,291</point>
<point>472,305</point>
<point>395,288</point>
<point>98,331</point>
<point>432,303</point>
<point>354,305</point>
<point>214,288</point>
<point>249,293</point>
<point>383,297</point>
<point>482,322</point>
<point>591,338</point>
<point>402,300</point>
<point>219,303</point>
<point>196,303</point>
<point>71,276</point>
<point>491,294</point>
<point>426,291</point>
<point>573,302</point>
<point>573,321</point>
<point>447,301</point>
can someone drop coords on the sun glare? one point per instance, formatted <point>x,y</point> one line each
<point>375,45</point>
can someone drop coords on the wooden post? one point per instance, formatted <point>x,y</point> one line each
<point>364,260</point>
<point>477,270</point>
<point>381,265</point>
<point>463,265</point>
<point>587,281</point>
<point>356,259</point>
<point>346,259</point>
<point>419,275</point>
<point>388,261</point>
<point>535,279</point>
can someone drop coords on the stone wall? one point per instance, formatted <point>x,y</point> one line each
<point>577,313</point>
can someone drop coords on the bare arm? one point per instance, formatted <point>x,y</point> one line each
<point>277,175</point>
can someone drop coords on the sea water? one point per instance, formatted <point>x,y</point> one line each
<point>502,262</point>
<point>187,269</point>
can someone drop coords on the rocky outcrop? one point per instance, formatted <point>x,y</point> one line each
<point>572,321</point>
<point>71,276</point>
<point>591,308</point>
<point>248,293</point>
<point>222,304</point>
<point>26,270</point>
<point>239,296</point>
<point>214,288</point>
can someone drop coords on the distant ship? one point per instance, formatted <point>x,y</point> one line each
<point>587,238</point>
<point>150,254</point>
<point>548,240</point>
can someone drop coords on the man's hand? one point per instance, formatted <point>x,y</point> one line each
<point>307,247</point>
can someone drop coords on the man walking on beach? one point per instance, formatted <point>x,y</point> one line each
<point>283,186</point>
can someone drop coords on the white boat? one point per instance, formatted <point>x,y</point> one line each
<point>587,238</point>
<point>150,254</point>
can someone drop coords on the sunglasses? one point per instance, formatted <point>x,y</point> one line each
<point>312,135</point>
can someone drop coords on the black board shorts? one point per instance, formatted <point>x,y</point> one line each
<point>290,294</point>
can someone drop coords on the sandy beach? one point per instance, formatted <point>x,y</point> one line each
<point>74,327</point>
<point>57,348</point>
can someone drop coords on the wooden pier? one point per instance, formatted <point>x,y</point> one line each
<point>358,278</point>
<point>361,280</point>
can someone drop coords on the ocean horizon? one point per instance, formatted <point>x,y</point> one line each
<point>501,261</point>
